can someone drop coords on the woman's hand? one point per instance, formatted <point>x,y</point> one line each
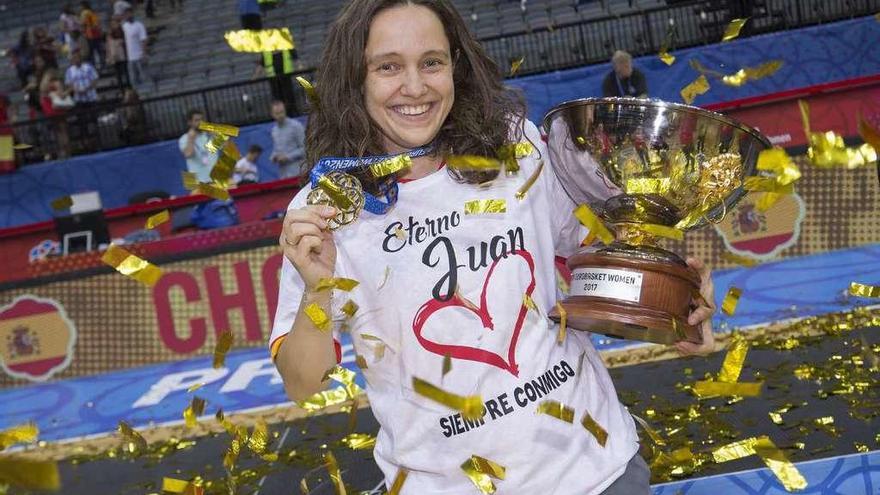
<point>308,243</point>
<point>702,314</point>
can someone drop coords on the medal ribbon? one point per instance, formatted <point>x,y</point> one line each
<point>343,164</point>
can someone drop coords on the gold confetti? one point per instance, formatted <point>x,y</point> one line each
<point>747,74</point>
<point>30,475</point>
<point>739,259</point>
<point>192,388</point>
<point>666,57</point>
<point>158,219</point>
<point>471,407</point>
<point>391,165</point>
<point>734,359</point>
<point>777,161</point>
<point>595,428</point>
<point>318,316</point>
<point>224,167</point>
<point>359,441</point>
<point>325,399</point>
<point>592,222</point>
<point>775,459</point>
<point>696,88</point>
<point>258,41</point>
<point>349,308</point>
<point>481,471</point>
<point>22,146</point>
<point>62,203</point>
<point>397,485</point>
<point>662,231</point>
<point>224,343</point>
<point>216,142</point>
<point>173,485</point>
<point>530,303</point>
<point>400,234</point>
<point>473,162</point>
<point>385,278</point>
<point>311,92</point>
<point>862,290</point>
<point>827,149</point>
<point>557,410</point>
<point>132,437</point>
<point>132,266</point>
<point>195,409</point>
<point>484,206</point>
<point>563,315</point>
<point>333,469</point>
<point>361,362</point>
<point>24,433</point>
<point>336,194</point>
<point>515,65</point>
<point>870,135</point>
<point>733,29</point>
<point>346,284</point>
<point>447,364</point>
<point>510,153</point>
<point>222,129</point>
<point>731,299</point>
<point>259,438</point>
<point>705,389</point>
<point>735,450</point>
<point>644,185</point>
<point>346,378</point>
<point>521,192</point>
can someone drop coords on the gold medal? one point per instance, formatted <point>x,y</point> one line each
<point>341,191</point>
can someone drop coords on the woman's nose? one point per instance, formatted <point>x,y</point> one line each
<point>413,83</point>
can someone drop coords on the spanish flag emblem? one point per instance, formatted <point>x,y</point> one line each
<point>36,338</point>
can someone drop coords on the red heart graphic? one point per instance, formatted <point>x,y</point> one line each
<point>482,312</point>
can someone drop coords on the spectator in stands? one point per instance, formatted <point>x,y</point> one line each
<point>23,57</point>
<point>133,118</point>
<point>246,167</point>
<point>624,80</point>
<point>82,78</point>
<point>194,144</point>
<point>32,88</point>
<point>135,47</point>
<point>56,102</point>
<point>46,46</point>
<point>91,26</point>
<point>250,15</point>
<point>79,43</point>
<point>115,44</point>
<point>288,142</point>
<point>67,24</point>
<point>120,7</point>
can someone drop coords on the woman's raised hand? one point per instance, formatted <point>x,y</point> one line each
<point>308,243</point>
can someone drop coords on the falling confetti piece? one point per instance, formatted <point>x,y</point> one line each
<point>696,88</point>
<point>666,57</point>
<point>471,407</point>
<point>333,469</point>
<point>195,409</point>
<point>481,471</point>
<point>473,162</point>
<point>557,410</point>
<point>318,316</point>
<point>62,203</point>
<point>563,315</point>
<point>345,284</point>
<point>158,219</point>
<point>447,364</point>
<point>349,308</point>
<point>485,206</point>
<point>731,299</point>
<point>192,388</point>
<point>132,266</point>
<point>521,192</point>
<point>595,428</point>
<point>592,222</point>
<point>258,41</point>
<point>510,153</point>
<point>359,441</point>
<point>747,74</point>
<point>391,165</point>
<point>24,433</point>
<point>311,92</point>
<point>30,475</point>
<point>130,435</point>
<point>515,65</point>
<point>223,129</point>
<point>733,29</point>
<point>732,366</point>
<point>739,259</point>
<point>397,485</point>
<point>862,290</point>
<point>705,389</point>
<point>224,343</point>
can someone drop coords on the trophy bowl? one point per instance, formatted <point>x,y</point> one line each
<point>647,169</point>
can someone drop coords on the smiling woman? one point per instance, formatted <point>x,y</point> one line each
<point>450,291</point>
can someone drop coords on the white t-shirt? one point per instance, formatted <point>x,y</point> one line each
<point>500,349</point>
<point>245,170</point>
<point>135,35</point>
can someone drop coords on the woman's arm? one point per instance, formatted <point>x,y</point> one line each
<point>307,352</point>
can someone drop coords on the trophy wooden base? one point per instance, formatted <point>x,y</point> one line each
<point>631,296</point>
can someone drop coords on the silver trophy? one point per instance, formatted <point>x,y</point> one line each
<point>648,169</point>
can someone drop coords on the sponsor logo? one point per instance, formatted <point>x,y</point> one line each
<point>36,338</point>
<point>762,235</point>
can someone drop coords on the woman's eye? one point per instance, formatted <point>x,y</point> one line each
<point>388,67</point>
<point>433,63</point>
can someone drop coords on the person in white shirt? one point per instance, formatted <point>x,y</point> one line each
<point>246,167</point>
<point>82,78</point>
<point>135,47</point>
<point>194,147</point>
<point>120,7</point>
<point>438,283</point>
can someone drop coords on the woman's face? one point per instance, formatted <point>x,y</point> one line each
<point>408,89</point>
